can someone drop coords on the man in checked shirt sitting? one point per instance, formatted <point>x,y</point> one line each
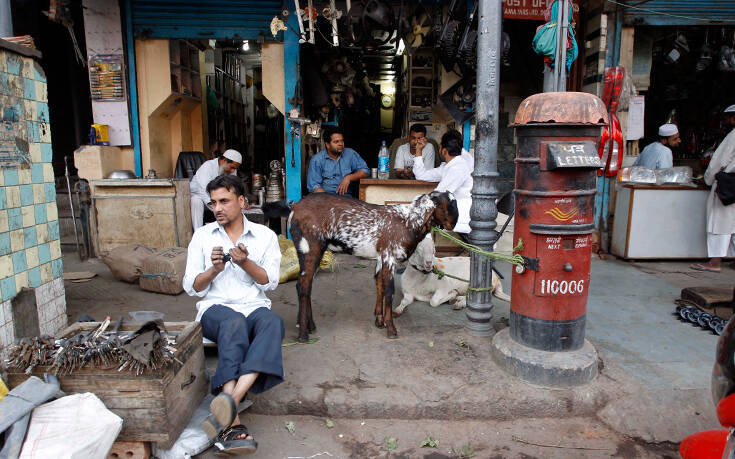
<point>231,263</point>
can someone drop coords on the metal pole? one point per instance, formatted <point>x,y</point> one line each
<point>71,204</point>
<point>484,190</point>
<point>561,84</point>
<point>6,19</point>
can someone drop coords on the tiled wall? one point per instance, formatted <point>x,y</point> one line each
<point>30,249</point>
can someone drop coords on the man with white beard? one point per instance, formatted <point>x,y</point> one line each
<point>226,164</point>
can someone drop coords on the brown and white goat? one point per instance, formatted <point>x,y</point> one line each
<point>388,234</point>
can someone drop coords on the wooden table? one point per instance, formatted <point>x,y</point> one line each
<point>393,191</point>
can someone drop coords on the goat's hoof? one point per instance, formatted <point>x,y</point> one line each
<point>303,339</point>
<point>379,322</point>
<point>392,333</point>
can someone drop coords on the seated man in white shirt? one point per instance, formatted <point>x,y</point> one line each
<point>405,154</point>
<point>226,164</point>
<point>231,263</point>
<point>454,174</point>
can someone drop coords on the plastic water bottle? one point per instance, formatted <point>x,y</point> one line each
<point>383,159</point>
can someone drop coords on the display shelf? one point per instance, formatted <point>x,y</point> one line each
<point>421,96</point>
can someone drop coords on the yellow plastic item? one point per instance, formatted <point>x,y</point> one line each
<point>3,389</point>
<point>102,133</point>
<point>290,260</point>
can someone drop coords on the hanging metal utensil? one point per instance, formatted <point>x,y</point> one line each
<point>71,204</point>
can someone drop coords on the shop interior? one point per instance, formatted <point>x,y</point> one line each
<point>401,64</point>
<point>692,80</point>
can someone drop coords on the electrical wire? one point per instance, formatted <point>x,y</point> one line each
<point>661,13</point>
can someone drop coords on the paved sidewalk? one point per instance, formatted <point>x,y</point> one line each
<point>653,384</point>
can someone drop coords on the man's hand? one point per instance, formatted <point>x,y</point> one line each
<point>239,255</point>
<point>344,185</point>
<point>218,262</point>
<point>406,173</point>
<point>420,144</point>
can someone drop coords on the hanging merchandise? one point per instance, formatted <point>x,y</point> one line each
<point>680,47</point>
<point>448,39</point>
<point>611,141</point>
<point>419,29</point>
<point>460,99</point>
<point>378,22</point>
<point>59,12</point>
<point>467,51</point>
<point>544,42</point>
<point>726,62</point>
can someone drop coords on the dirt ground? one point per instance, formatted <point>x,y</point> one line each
<point>344,318</point>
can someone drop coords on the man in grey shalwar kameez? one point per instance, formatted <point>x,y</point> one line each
<point>720,218</point>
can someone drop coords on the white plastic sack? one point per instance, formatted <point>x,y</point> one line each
<point>192,440</point>
<point>77,426</point>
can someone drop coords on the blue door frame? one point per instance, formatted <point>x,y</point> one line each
<point>292,142</point>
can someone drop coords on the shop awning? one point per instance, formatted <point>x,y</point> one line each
<point>678,12</point>
<point>203,19</point>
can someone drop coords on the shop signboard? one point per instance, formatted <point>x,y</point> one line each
<point>524,9</point>
<point>531,10</point>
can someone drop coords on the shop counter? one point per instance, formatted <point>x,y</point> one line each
<point>154,212</point>
<point>658,222</point>
<point>393,191</point>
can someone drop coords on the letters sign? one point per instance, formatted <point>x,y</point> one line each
<point>573,154</point>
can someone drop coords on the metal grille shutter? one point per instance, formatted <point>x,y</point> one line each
<point>203,19</point>
<point>680,12</point>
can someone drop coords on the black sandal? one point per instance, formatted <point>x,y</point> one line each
<point>228,446</point>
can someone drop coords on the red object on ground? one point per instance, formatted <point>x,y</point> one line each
<point>708,444</point>
<point>726,411</point>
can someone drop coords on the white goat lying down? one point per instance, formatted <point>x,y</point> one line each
<point>420,284</point>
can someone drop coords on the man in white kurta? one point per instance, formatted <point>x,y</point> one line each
<point>454,174</point>
<point>226,164</point>
<point>720,218</point>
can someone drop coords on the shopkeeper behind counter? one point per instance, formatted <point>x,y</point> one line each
<point>657,155</point>
<point>406,152</point>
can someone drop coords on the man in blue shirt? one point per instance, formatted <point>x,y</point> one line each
<point>657,155</point>
<point>335,168</point>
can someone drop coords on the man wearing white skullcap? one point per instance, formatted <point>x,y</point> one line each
<point>226,164</point>
<point>657,155</point>
<point>720,218</point>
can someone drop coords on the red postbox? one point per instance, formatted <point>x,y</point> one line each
<point>556,168</point>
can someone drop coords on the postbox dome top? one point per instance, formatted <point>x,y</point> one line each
<point>579,108</point>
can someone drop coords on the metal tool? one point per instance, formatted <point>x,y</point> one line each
<point>71,204</point>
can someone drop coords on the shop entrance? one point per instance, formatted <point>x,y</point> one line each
<point>692,80</point>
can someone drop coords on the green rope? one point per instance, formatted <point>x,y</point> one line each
<point>513,258</point>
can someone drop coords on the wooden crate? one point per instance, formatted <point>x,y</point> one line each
<point>154,406</point>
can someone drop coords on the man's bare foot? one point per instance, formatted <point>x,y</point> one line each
<point>706,267</point>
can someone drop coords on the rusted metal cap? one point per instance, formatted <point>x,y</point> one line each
<point>562,108</point>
